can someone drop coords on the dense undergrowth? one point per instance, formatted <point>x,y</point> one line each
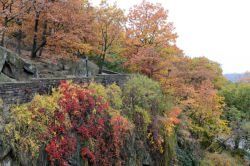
<point>103,120</point>
<point>110,126</point>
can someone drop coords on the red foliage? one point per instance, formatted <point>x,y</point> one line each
<point>120,128</point>
<point>60,148</point>
<point>88,119</point>
<point>173,115</point>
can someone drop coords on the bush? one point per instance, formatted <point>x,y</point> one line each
<point>92,119</point>
<point>112,93</point>
<point>216,159</point>
<point>72,113</point>
<point>153,115</point>
<point>145,93</point>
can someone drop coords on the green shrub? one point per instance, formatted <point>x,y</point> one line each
<point>216,159</point>
<point>111,93</point>
<point>145,93</point>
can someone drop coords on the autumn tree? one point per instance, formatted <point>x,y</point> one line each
<point>24,8</point>
<point>61,28</point>
<point>11,11</point>
<point>148,26</point>
<point>147,61</point>
<point>70,28</point>
<point>39,8</point>
<point>64,27</point>
<point>148,31</point>
<point>192,83</point>
<point>108,27</point>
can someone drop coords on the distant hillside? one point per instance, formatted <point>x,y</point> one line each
<point>234,77</point>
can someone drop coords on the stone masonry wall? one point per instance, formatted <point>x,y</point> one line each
<point>23,92</point>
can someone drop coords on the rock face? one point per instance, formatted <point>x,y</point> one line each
<point>12,66</point>
<point>68,69</point>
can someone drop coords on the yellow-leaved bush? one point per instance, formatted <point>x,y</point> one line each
<point>28,122</point>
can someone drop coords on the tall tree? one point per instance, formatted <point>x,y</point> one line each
<point>108,27</point>
<point>147,61</point>
<point>39,8</point>
<point>192,83</point>
<point>61,28</point>
<point>70,24</point>
<point>148,26</point>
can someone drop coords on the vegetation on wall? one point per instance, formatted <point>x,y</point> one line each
<point>70,114</point>
<point>95,117</point>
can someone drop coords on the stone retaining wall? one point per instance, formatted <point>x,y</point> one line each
<point>22,92</point>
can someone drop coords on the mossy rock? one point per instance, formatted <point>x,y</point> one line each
<point>15,67</point>
<point>4,78</point>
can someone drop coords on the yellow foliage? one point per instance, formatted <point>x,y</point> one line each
<point>223,159</point>
<point>28,124</point>
<point>111,93</point>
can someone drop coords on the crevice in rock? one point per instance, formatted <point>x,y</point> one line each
<point>28,72</point>
<point>7,70</point>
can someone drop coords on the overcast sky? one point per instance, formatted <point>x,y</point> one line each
<point>216,29</point>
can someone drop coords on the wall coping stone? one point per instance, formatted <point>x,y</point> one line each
<point>22,92</point>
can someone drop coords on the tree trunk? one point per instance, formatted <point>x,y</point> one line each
<point>87,70</point>
<point>44,36</point>
<point>102,57</point>
<point>3,32</point>
<point>19,37</point>
<point>33,52</point>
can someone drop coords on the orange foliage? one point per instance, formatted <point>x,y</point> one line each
<point>107,29</point>
<point>147,62</point>
<point>148,26</point>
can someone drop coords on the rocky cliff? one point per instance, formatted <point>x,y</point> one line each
<point>14,68</point>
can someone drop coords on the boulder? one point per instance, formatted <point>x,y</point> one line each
<point>5,78</point>
<point>15,67</point>
<point>2,59</point>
